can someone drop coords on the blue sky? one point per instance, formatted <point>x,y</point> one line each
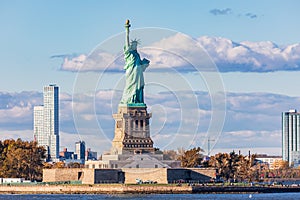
<point>34,31</point>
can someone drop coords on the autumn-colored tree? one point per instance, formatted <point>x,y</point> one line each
<point>21,159</point>
<point>74,165</point>
<point>233,166</point>
<point>47,165</point>
<point>59,164</point>
<point>1,156</point>
<point>220,162</point>
<point>191,158</point>
<point>246,167</point>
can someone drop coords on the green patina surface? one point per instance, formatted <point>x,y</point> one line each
<point>135,66</point>
<point>132,105</point>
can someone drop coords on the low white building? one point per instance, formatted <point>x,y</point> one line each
<point>132,161</point>
<point>271,161</point>
<point>12,180</point>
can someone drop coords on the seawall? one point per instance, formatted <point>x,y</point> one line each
<point>123,189</point>
<point>93,189</point>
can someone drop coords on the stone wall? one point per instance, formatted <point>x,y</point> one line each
<point>93,189</point>
<point>95,176</point>
<point>64,174</point>
<point>137,189</point>
<point>88,176</point>
<point>109,176</point>
<point>128,175</point>
<point>154,174</point>
<point>191,174</point>
<point>210,172</point>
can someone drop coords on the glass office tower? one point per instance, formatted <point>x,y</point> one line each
<point>291,137</point>
<point>46,122</point>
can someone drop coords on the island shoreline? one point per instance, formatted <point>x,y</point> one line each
<point>139,189</point>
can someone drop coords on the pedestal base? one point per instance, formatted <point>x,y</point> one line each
<point>132,131</point>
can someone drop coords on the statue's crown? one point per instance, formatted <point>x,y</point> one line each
<point>135,41</point>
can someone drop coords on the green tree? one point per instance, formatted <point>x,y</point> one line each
<point>191,158</point>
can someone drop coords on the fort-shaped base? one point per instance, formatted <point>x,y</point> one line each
<point>132,130</point>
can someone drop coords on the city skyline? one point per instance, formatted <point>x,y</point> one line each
<point>262,36</point>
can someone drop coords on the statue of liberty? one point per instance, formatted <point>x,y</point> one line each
<point>134,87</point>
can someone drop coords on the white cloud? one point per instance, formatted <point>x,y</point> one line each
<point>250,139</point>
<point>250,119</point>
<point>74,63</point>
<point>16,109</point>
<point>251,56</point>
<point>26,135</point>
<point>174,52</point>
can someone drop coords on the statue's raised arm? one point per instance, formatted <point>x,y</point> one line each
<point>127,26</point>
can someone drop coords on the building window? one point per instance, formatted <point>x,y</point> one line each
<point>93,166</point>
<point>156,166</point>
<point>137,166</point>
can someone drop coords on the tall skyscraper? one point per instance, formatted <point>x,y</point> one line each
<point>46,122</point>
<point>80,150</point>
<point>291,137</point>
<point>38,121</point>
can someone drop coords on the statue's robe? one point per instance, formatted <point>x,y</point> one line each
<point>134,86</point>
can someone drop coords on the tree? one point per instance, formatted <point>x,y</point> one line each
<point>59,164</point>
<point>1,158</point>
<point>191,158</point>
<point>246,167</point>
<point>234,167</point>
<point>220,162</point>
<point>21,159</point>
<point>47,165</point>
<point>74,165</point>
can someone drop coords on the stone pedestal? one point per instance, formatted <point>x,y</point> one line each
<point>132,130</point>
